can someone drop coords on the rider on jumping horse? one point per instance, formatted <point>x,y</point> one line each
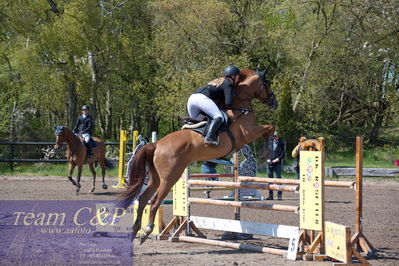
<point>84,127</point>
<point>205,100</point>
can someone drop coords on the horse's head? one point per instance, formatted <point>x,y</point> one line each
<point>60,136</point>
<point>264,92</point>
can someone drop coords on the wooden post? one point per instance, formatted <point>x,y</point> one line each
<point>188,177</point>
<point>358,239</point>
<point>323,154</point>
<point>327,183</point>
<point>359,184</point>
<point>237,213</point>
<point>239,204</point>
<point>238,246</point>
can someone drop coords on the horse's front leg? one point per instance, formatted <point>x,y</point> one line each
<point>80,166</point>
<point>72,166</point>
<point>93,172</point>
<point>263,132</point>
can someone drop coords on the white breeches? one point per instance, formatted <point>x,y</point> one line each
<point>198,102</point>
<point>86,137</point>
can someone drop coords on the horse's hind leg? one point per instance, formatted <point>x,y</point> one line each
<point>78,178</point>
<point>72,166</point>
<point>161,194</point>
<point>102,165</point>
<point>143,201</point>
<point>93,172</point>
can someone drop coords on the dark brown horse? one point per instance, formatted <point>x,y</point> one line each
<point>76,155</point>
<point>167,158</point>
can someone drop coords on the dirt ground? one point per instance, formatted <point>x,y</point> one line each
<point>380,221</point>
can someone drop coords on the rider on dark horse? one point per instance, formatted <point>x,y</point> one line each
<point>84,127</point>
<point>206,99</point>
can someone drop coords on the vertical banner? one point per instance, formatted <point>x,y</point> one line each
<point>338,242</point>
<point>180,196</point>
<point>158,222</point>
<point>311,193</point>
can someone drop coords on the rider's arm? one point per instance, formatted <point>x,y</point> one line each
<point>75,128</point>
<point>228,92</point>
<point>281,154</point>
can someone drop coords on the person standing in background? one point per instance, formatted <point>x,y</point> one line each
<point>274,163</point>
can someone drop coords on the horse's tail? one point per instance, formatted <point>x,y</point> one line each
<point>137,173</point>
<point>109,164</point>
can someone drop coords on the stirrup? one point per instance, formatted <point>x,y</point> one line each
<point>212,141</point>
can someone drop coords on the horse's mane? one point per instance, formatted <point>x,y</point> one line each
<point>69,132</point>
<point>245,73</point>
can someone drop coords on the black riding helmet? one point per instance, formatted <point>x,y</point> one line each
<point>231,70</point>
<point>85,107</point>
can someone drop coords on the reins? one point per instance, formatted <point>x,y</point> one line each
<point>77,140</point>
<point>243,111</point>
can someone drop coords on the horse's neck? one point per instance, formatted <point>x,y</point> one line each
<point>72,141</point>
<point>242,104</point>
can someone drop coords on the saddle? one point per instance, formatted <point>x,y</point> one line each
<point>92,142</point>
<point>201,125</point>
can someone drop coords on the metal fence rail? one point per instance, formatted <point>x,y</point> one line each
<point>12,160</point>
<point>45,143</point>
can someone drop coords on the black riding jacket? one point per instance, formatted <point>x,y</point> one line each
<point>84,125</point>
<point>277,153</point>
<point>222,93</point>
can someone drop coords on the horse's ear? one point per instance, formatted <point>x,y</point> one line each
<point>265,72</point>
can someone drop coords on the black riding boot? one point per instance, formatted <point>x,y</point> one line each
<point>270,195</point>
<point>89,152</point>
<point>211,136</point>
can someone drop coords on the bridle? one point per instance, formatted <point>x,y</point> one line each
<point>61,133</point>
<point>268,100</point>
<point>269,95</point>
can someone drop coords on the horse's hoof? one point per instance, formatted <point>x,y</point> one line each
<point>92,190</point>
<point>105,186</point>
<point>76,193</point>
<point>132,236</point>
<point>143,238</point>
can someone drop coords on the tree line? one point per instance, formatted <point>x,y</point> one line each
<point>333,64</point>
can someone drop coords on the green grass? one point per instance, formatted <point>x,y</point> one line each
<point>49,169</point>
<point>377,157</point>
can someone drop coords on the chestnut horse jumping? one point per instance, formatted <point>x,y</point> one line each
<point>167,158</point>
<point>76,155</point>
